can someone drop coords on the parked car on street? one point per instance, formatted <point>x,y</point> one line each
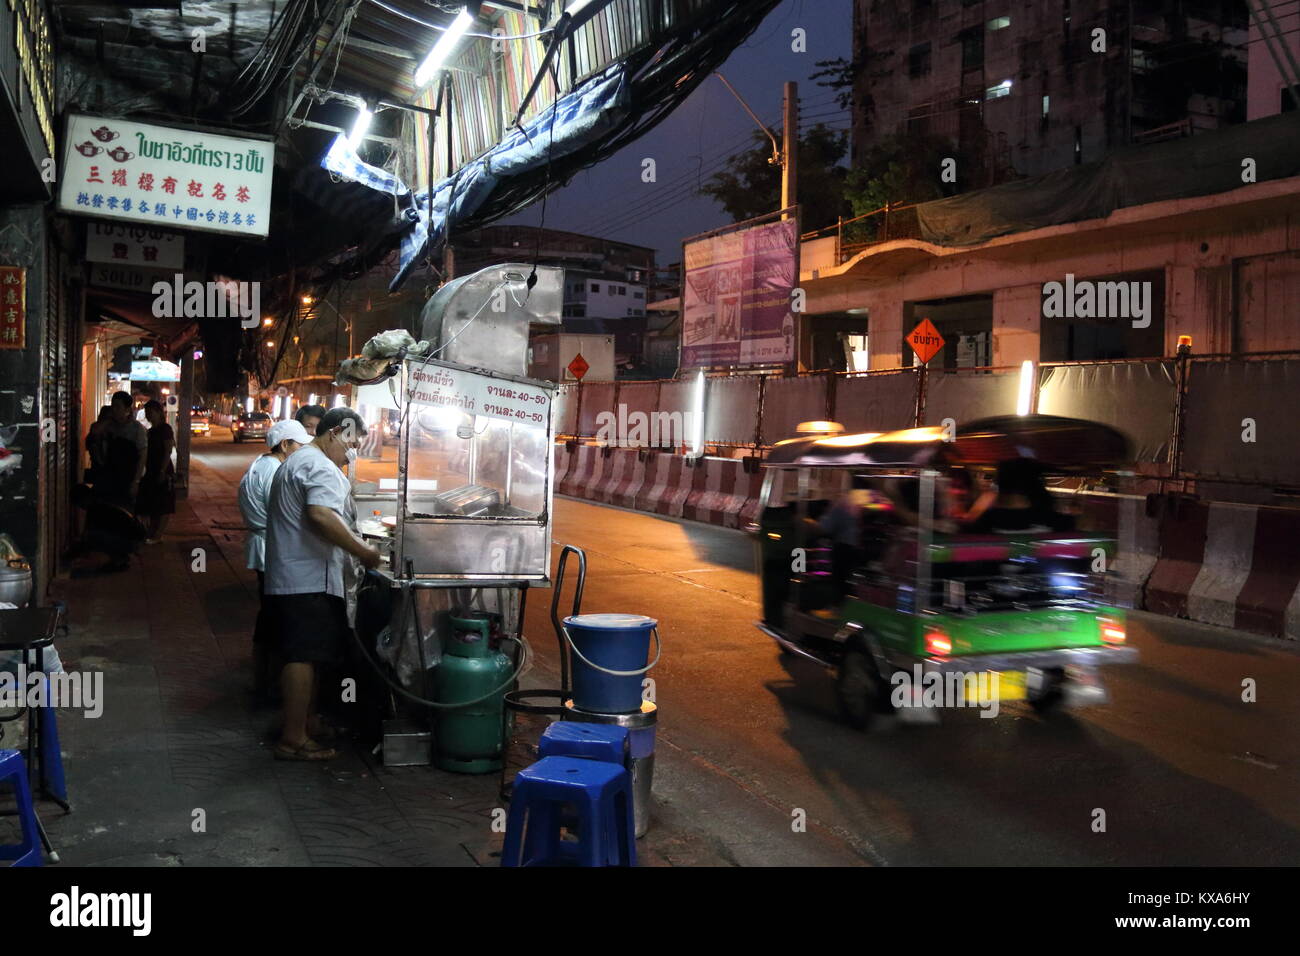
<point>200,420</point>
<point>250,425</point>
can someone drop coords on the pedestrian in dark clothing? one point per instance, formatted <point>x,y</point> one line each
<point>156,501</point>
<point>97,444</point>
<point>124,454</point>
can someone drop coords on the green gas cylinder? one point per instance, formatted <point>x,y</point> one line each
<point>470,739</point>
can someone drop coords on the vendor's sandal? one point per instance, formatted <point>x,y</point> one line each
<point>310,750</point>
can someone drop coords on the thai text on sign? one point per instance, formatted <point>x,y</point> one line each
<point>159,176</point>
<point>447,386</point>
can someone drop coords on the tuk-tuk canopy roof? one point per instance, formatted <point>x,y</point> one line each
<point>1058,444</point>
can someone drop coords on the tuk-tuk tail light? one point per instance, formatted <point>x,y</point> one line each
<point>937,644</point>
<point>1111,630</point>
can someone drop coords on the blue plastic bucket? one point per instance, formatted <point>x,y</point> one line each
<point>609,654</point>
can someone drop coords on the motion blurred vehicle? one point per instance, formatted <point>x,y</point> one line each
<point>923,596</point>
<point>250,425</point>
<point>200,420</point>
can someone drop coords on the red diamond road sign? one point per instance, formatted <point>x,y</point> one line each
<point>578,367</point>
<point>925,341</point>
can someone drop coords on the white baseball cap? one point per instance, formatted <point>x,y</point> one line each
<point>287,429</point>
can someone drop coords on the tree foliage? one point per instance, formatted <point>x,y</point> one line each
<point>750,185</point>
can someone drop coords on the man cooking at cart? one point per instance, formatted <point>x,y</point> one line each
<point>309,536</point>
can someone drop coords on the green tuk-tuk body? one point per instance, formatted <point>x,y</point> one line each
<point>924,604</point>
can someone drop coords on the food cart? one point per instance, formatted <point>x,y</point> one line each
<point>463,511</point>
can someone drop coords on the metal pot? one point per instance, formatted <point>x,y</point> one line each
<point>15,585</point>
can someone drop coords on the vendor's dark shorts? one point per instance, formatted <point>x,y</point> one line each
<point>313,627</point>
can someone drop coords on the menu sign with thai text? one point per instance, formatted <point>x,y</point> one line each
<point>164,177</point>
<point>447,386</point>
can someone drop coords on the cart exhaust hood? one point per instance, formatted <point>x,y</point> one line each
<point>482,320</point>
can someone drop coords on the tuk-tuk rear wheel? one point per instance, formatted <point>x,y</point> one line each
<point>861,694</point>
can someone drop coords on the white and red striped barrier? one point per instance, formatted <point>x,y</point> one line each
<point>1228,564</point>
<point>1137,539</point>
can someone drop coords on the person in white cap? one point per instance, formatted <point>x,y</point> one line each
<point>284,438</point>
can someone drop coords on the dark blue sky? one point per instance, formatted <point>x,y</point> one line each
<point>610,200</point>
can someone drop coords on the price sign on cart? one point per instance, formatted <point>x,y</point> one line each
<point>475,393</point>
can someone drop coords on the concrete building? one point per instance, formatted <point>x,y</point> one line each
<point>1223,268</point>
<point>1276,44</point>
<point>1025,88</point>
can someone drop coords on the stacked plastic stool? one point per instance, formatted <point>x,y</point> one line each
<point>597,794</point>
<point>13,770</point>
<point>606,742</point>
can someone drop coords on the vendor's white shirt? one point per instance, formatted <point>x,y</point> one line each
<point>298,560</point>
<point>254,492</point>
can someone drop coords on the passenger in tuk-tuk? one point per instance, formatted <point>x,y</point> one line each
<point>843,524</point>
<point>1019,503</point>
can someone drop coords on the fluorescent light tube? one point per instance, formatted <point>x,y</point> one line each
<point>360,127</point>
<point>442,49</point>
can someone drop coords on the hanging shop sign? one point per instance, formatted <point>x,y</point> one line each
<point>127,278</point>
<point>737,296</point>
<point>35,52</point>
<point>161,176</point>
<point>13,307</point>
<point>155,370</point>
<point>134,245</point>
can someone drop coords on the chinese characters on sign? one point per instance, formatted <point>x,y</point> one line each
<point>135,246</point>
<point>13,307</point>
<point>158,176</point>
<point>736,300</point>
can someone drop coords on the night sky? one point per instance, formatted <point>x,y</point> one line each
<point>611,201</point>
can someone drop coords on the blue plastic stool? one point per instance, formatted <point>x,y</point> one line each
<point>566,738</point>
<point>27,853</point>
<point>601,794</point>
<point>51,754</point>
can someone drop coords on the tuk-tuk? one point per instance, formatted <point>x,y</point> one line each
<point>871,566</point>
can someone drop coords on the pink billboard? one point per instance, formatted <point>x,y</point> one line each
<point>736,296</point>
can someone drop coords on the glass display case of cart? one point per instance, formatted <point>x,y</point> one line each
<point>474,475</point>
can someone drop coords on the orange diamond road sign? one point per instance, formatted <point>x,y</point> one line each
<point>925,341</point>
<point>578,367</point>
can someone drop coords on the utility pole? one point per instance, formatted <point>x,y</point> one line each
<point>790,148</point>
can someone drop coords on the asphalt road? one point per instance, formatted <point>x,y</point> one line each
<point>1178,768</point>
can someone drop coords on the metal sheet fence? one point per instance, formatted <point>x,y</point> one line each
<point>1138,398</point>
<point>1243,420</point>
<point>1239,414</point>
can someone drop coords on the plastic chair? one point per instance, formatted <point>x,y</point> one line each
<point>27,853</point>
<point>566,738</point>
<point>601,797</point>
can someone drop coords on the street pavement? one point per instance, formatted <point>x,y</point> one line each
<point>753,767</point>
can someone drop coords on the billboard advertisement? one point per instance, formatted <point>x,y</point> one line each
<point>736,296</point>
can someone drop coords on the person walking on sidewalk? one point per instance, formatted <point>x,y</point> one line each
<point>284,439</point>
<point>156,501</point>
<point>125,448</point>
<point>309,535</point>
